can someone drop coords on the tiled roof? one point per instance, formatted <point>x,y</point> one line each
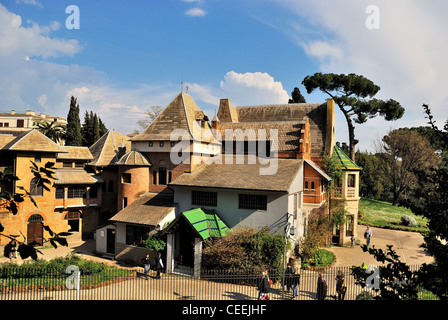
<point>343,160</point>
<point>148,209</point>
<point>134,158</point>
<point>75,176</point>
<point>241,176</point>
<point>180,114</point>
<point>280,113</point>
<point>288,133</point>
<point>105,150</point>
<point>75,153</point>
<point>34,141</point>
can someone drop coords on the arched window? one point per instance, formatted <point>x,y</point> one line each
<point>35,218</point>
<point>306,184</point>
<point>312,185</point>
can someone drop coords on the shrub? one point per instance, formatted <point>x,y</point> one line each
<point>323,258</point>
<point>155,243</point>
<point>245,248</point>
<point>364,295</point>
<point>408,221</point>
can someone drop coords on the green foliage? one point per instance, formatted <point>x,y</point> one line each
<point>323,258</point>
<point>155,243</point>
<point>55,132</point>
<point>245,248</point>
<point>296,96</point>
<point>73,134</point>
<point>92,129</point>
<point>354,96</point>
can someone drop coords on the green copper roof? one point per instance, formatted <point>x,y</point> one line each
<point>345,162</point>
<point>206,222</point>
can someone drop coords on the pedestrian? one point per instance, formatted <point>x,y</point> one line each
<point>147,265</point>
<point>263,286</point>
<point>158,264</point>
<point>341,285</point>
<point>321,287</point>
<point>13,249</point>
<point>295,285</point>
<point>289,272</point>
<point>368,235</point>
<point>353,240</point>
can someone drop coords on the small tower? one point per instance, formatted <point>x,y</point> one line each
<point>133,170</point>
<point>347,191</point>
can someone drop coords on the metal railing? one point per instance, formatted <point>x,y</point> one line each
<point>133,284</point>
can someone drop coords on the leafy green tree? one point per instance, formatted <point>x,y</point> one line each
<point>96,129</point>
<point>73,134</point>
<point>430,199</point>
<point>87,130</point>
<point>296,96</point>
<point>52,130</point>
<point>354,96</point>
<point>401,152</point>
<point>371,180</point>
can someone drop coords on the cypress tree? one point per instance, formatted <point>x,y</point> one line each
<point>73,134</point>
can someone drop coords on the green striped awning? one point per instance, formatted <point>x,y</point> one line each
<point>206,223</point>
<point>343,160</point>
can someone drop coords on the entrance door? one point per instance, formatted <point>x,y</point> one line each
<point>110,241</point>
<point>35,230</point>
<point>336,233</point>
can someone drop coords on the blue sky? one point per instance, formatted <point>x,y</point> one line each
<point>130,55</point>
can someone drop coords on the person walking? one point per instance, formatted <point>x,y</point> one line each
<point>147,265</point>
<point>158,264</point>
<point>295,285</point>
<point>321,287</point>
<point>263,286</point>
<point>289,272</point>
<point>368,235</point>
<point>341,285</point>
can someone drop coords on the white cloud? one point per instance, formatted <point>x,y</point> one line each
<point>195,12</point>
<point>31,2</point>
<point>33,41</point>
<point>252,88</point>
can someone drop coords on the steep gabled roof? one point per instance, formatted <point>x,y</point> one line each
<point>33,141</point>
<point>343,160</point>
<point>205,222</point>
<point>181,114</point>
<point>105,150</point>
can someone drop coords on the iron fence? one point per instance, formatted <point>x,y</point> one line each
<point>133,284</point>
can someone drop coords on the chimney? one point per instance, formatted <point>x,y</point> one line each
<point>13,112</point>
<point>121,150</point>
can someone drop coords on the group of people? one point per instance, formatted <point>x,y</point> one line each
<point>158,265</point>
<point>291,280</point>
<point>341,286</point>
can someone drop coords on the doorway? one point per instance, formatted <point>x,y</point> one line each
<point>35,230</point>
<point>110,245</point>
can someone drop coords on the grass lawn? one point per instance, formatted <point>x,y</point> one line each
<point>384,215</point>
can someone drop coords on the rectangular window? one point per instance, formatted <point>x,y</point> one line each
<point>6,124</point>
<point>79,165</point>
<point>204,198</point>
<point>349,225</point>
<point>150,144</point>
<point>351,180</point>
<point>37,158</point>
<point>20,123</point>
<point>253,201</point>
<point>154,177</point>
<point>135,235</point>
<point>125,202</point>
<point>161,144</point>
<point>59,193</point>
<point>76,192</point>
<point>36,190</point>
<point>126,178</point>
<point>162,176</point>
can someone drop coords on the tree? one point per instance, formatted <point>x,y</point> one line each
<point>296,96</point>
<point>430,199</point>
<point>92,129</point>
<point>150,115</point>
<point>371,180</point>
<point>52,130</point>
<point>401,152</point>
<point>354,96</point>
<point>73,134</point>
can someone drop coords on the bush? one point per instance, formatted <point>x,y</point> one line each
<point>245,248</point>
<point>323,258</point>
<point>364,295</point>
<point>155,243</point>
<point>408,221</point>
